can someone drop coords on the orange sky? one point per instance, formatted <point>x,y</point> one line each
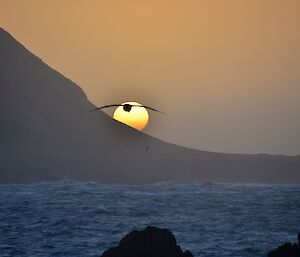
<point>225,72</point>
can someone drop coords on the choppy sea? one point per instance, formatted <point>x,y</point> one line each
<point>68,218</point>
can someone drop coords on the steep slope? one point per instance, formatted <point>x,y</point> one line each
<point>46,132</point>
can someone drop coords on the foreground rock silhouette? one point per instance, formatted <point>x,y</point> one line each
<point>150,242</point>
<point>287,250</point>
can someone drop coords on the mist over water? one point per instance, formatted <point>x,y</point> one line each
<point>67,218</point>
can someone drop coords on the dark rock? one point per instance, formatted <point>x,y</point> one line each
<point>287,250</point>
<point>150,242</point>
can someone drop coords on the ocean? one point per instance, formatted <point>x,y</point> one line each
<point>82,219</point>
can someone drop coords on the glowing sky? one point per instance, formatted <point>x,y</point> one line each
<point>225,72</point>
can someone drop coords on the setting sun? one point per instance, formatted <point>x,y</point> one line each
<point>137,117</point>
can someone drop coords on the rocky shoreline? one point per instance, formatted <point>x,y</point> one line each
<point>149,242</point>
<point>157,242</point>
<point>287,250</point>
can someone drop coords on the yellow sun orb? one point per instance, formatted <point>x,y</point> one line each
<point>137,117</point>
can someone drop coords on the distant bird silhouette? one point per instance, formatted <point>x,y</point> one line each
<point>126,107</point>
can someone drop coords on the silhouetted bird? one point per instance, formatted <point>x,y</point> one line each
<point>126,107</point>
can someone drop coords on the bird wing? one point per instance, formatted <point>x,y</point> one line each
<point>105,106</point>
<point>150,108</point>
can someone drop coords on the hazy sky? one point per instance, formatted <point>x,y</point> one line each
<point>227,73</point>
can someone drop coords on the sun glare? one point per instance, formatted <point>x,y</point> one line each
<point>137,117</point>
